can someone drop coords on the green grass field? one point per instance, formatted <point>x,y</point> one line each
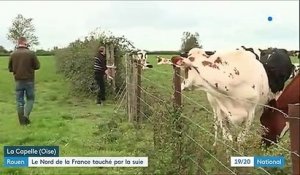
<point>80,128</point>
<point>77,125</point>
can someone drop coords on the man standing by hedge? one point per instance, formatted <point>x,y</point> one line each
<point>23,63</point>
<point>100,70</point>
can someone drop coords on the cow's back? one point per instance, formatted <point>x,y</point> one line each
<point>240,71</point>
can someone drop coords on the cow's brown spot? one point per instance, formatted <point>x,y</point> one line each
<point>192,59</point>
<point>215,66</point>
<point>236,71</point>
<point>229,113</point>
<point>210,64</point>
<point>216,84</point>
<point>218,61</point>
<point>226,88</point>
<point>225,62</point>
<point>230,75</point>
<point>205,63</point>
<point>253,86</point>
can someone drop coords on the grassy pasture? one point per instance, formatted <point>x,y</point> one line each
<point>75,124</point>
<point>81,128</point>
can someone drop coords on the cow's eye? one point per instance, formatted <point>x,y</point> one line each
<point>192,58</point>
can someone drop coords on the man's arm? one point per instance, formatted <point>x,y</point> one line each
<point>10,68</point>
<point>36,63</point>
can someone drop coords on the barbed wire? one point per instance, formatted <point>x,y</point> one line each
<point>122,87</point>
<point>220,140</point>
<point>198,166</point>
<point>210,154</point>
<point>238,99</point>
<point>198,126</point>
<point>211,112</point>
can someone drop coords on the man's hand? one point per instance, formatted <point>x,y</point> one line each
<point>106,72</point>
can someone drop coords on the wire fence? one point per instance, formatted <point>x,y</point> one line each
<point>149,99</point>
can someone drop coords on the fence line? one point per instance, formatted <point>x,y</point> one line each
<point>210,154</point>
<point>198,166</point>
<point>211,112</point>
<point>134,91</point>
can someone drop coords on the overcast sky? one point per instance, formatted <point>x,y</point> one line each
<point>155,25</point>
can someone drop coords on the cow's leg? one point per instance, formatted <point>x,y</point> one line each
<point>216,113</point>
<point>216,129</point>
<point>225,130</point>
<point>242,135</point>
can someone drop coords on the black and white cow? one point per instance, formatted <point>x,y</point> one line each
<point>277,64</point>
<point>142,55</point>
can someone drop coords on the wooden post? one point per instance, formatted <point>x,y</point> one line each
<point>128,86</point>
<point>133,87</point>
<point>177,87</point>
<point>113,69</point>
<point>294,135</point>
<point>138,92</point>
<point>110,62</point>
<point>178,122</point>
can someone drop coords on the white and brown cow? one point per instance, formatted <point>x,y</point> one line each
<point>162,60</point>
<point>235,82</point>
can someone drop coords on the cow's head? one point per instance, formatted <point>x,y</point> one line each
<point>190,66</point>
<point>142,55</point>
<point>274,122</point>
<point>265,54</point>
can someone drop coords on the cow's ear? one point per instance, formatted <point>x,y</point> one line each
<point>176,59</point>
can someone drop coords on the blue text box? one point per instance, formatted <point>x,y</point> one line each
<point>269,161</point>
<point>31,151</point>
<point>15,162</point>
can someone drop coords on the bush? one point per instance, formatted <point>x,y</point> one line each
<point>76,61</point>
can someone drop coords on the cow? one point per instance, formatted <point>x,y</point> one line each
<point>142,55</point>
<point>234,89</point>
<point>277,64</point>
<point>295,71</point>
<point>162,60</point>
<point>275,122</point>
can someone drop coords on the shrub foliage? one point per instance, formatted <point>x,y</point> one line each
<point>76,61</point>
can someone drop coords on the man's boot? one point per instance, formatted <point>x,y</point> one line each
<point>27,121</point>
<point>21,118</point>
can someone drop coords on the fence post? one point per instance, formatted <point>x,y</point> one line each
<point>178,124</point>
<point>128,86</point>
<point>177,87</point>
<point>138,92</point>
<point>113,69</point>
<point>294,135</point>
<point>132,88</point>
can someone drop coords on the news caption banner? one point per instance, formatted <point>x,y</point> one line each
<point>258,161</point>
<point>48,156</point>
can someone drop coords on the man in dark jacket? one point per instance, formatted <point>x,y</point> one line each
<point>23,63</point>
<point>100,70</point>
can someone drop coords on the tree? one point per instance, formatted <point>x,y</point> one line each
<point>189,41</point>
<point>22,26</point>
<point>3,50</point>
